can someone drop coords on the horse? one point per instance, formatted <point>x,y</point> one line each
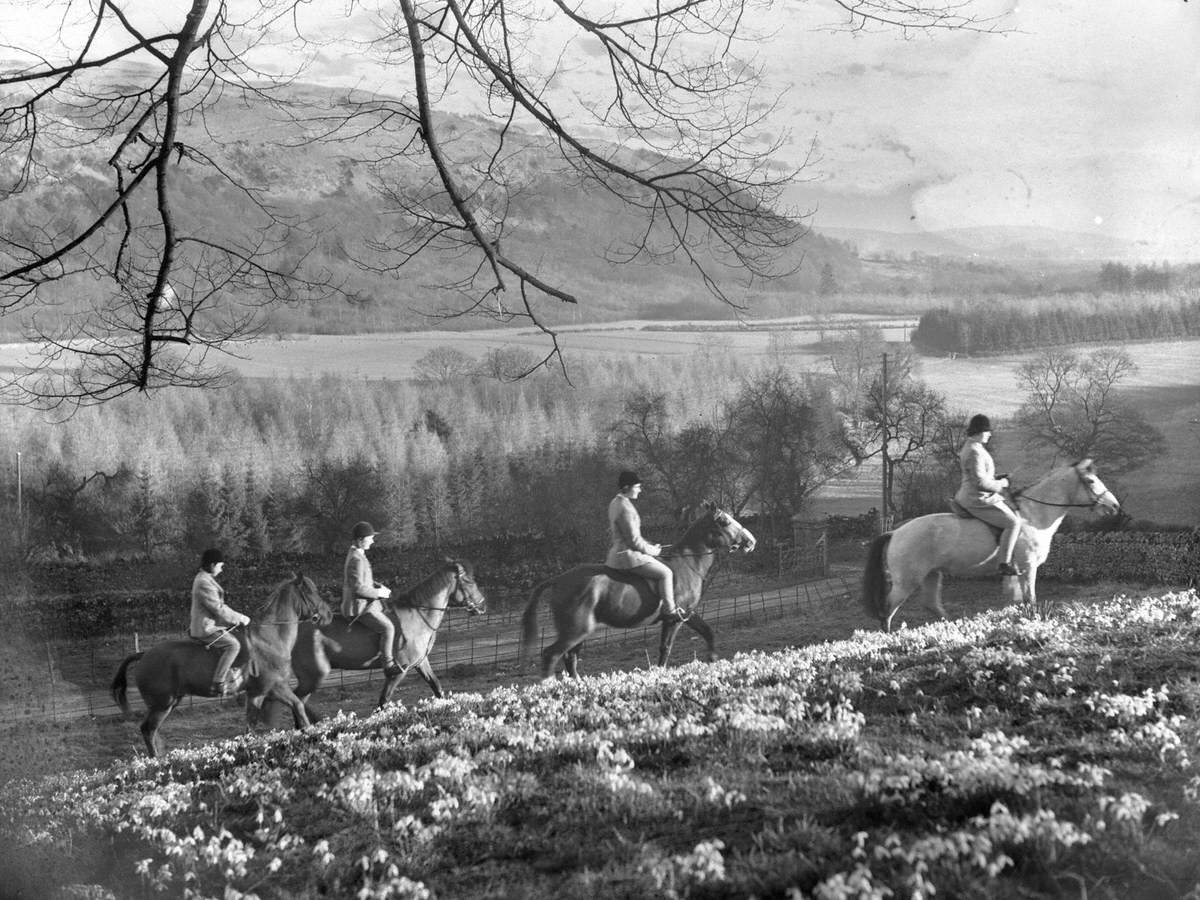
<point>587,595</point>
<point>915,555</point>
<point>344,643</point>
<point>168,672</point>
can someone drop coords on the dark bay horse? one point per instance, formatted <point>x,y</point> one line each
<point>417,614</point>
<point>168,672</point>
<point>586,596</point>
<point>914,556</point>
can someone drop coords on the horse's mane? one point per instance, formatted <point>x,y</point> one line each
<point>426,588</point>
<point>277,593</point>
<point>692,532</point>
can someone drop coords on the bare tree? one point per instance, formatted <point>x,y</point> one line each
<point>682,108</point>
<point>1074,408</point>
<point>166,289</point>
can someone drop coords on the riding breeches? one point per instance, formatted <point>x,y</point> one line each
<point>1003,516</point>
<point>375,619</point>
<point>229,647</point>
<point>659,573</point>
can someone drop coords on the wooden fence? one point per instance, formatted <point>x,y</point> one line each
<point>74,681</point>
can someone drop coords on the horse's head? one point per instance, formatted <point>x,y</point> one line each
<point>721,530</point>
<point>466,591</point>
<point>1091,490</point>
<point>307,601</point>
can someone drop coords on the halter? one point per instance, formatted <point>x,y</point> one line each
<point>1096,497</point>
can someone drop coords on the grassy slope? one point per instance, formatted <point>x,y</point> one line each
<point>993,756</point>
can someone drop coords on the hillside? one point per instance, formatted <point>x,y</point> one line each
<point>341,196</point>
<point>995,756</point>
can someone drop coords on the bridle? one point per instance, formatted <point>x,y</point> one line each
<point>460,578</point>
<point>1096,497</point>
<point>723,520</point>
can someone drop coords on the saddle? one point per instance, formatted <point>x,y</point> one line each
<point>963,513</point>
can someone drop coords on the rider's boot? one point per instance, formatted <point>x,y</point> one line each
<point>1006,569</point>
<point>390,669</point>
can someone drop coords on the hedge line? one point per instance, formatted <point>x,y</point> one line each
<point>1171,558</point>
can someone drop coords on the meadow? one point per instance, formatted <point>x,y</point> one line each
<point>992,756</point>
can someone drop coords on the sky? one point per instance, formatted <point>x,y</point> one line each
<point>1081,115</point>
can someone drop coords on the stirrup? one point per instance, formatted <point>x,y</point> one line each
<point>676,615</point>
<point>392,669</point>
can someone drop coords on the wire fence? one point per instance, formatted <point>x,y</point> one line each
<point>69,680</point>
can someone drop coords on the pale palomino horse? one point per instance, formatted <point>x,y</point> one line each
<point>915,556</point>
<point>416,614</point>
<point>586,596</point>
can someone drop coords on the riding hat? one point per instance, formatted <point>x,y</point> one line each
<point>979,423</point>
<point>627,479</point>
<point>211,557</point>
<point>362,530</point>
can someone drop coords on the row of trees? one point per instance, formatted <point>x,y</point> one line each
<point>287,466</point>
<point>994,329</point>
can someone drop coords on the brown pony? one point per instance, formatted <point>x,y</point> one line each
<point>168,672</point>
<point>588,595</point>
<point>417,613</point>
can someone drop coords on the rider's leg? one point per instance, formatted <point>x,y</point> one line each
<point>375,619</point>
<point>661,574</point>
<point>1008,541</point>
<point>228,645</point>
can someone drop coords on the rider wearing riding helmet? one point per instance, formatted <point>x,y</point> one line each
<point>213,620</point>
<point>631,552</point>
<point>362,595</point>
<point>979,493</point>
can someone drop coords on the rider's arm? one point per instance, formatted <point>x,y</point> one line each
<point>209,596</point>
<point>360,583</point>
<point>983,472</point>
<point>631,533</point>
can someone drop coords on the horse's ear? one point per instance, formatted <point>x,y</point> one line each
<point>709,506</point>
<point>299,579</point>
<point>1087,466</point>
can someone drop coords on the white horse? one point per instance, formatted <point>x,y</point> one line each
<point>915,555</point>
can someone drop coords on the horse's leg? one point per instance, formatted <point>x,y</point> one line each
<point>1028,581</point>
<point>431,679</point>
<point>151,723</point>
<point>931,590</point>
<point>701,628</point>
<point>389,687</point>
<point>666,640</point>
<point>571,660</point>
<point>281,691</point>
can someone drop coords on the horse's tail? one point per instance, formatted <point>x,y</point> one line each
<point>874,583</point>
<point>120,684</point>
<point>529,621</point>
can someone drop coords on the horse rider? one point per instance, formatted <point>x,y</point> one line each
<point>362,596</point>
<point>213,620</point>
<point>631,552</point>
<point>979,493</point>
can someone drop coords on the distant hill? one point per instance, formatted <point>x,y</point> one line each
<point>997,244</point>
<point>331,190</point>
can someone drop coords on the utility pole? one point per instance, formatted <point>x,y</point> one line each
<point>883,504</point>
